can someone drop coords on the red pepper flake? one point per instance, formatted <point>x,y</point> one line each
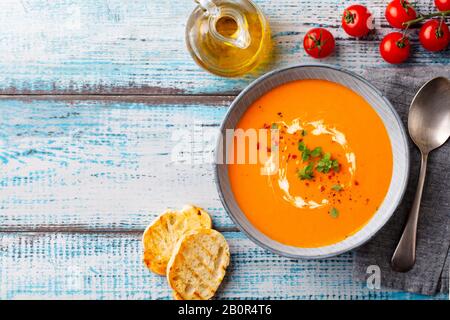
<point>280,114</point>
<point>356,183</point>
<point>257,146</point>
<point>322,188</point>
<point>266,126</point>
<point>307,184</point>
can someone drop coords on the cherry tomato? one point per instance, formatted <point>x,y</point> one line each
<point>442,5</point>
<point>357,21</point>
<point>399,12</point>
<point>319,43</point>
<point>434,35</point>
<point>395,47</point>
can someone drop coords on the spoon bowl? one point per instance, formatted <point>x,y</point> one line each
<point>429,115</point>
<point>429,128</point>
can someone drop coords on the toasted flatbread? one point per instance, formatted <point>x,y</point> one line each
<point>161,236</point>
<point>198,265</point>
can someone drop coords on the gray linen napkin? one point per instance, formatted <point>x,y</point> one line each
<point>431,271</point>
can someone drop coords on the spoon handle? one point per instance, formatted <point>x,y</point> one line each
<point>404,256</point>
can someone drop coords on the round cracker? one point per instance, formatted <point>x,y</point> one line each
<point>198,265</point>
<point>160,238</point>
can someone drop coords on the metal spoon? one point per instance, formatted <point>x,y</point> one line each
<point>429,128</point>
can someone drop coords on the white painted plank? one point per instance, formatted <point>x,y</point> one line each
<point>108,266</point>
<point>115,46</point>
<point>104,164</point>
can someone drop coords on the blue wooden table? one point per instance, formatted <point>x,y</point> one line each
<point>92,95</point>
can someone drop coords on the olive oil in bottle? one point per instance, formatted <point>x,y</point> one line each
<point>228,37</point>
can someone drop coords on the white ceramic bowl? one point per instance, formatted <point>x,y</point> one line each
<point>378,102</point>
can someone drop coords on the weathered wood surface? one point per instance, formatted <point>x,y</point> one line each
<point>108,266</point>
<point>105,164</point>
<point>115,46</point>
<point>93,92</point>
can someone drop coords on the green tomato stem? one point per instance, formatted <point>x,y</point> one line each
<point>426,16</point>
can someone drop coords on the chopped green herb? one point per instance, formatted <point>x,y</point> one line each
<point>305,155</point>
<point>326,164</point>
<point>337,187</point>
<point>317,152</point>
<point>335,165</point>
<point>301,146</point>
<point>323,165</point>
<point>304,133</point>
<point>274,126</point>
<point>305,151</point>
<point>334,213</point>
<point>306,173</point>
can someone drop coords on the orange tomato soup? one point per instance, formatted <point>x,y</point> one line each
<point>325,175</point>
